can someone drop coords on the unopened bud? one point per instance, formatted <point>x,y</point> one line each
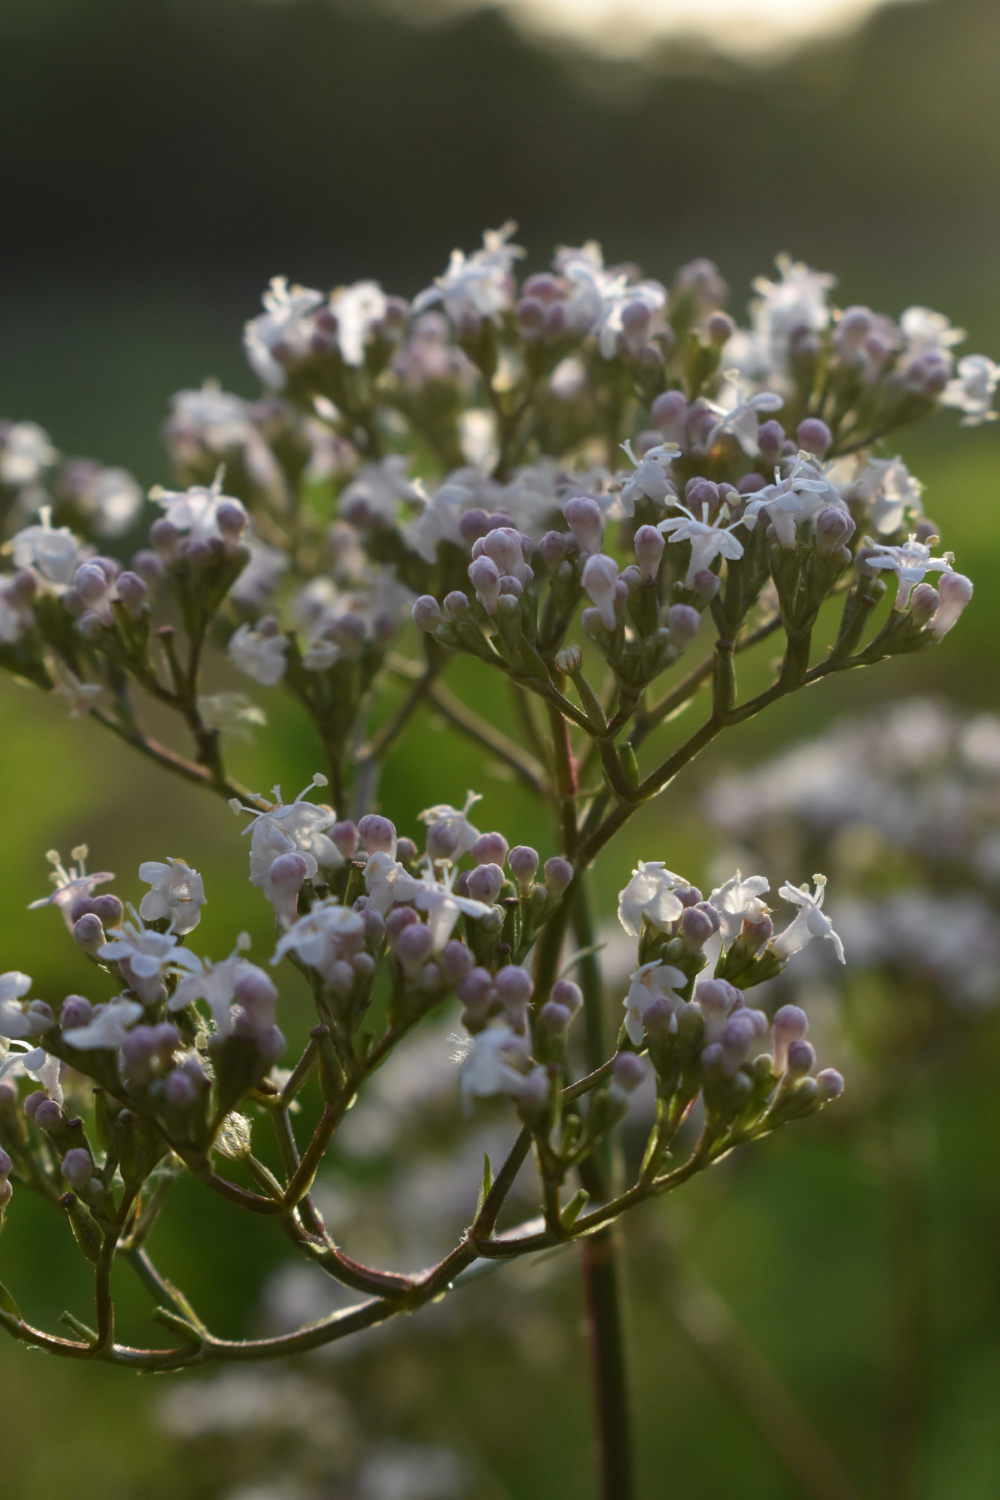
<point>814,436</point>
<point>426,613</point>
<point>834,527</point>
<point>770,441</point>
<point>558,875</point>
<point>76,1011</point>
<point>583,517</point>
<point>377,834</point>
<point>442,841</point>
<point>489,849</point>
<point>683,623</point>
<point>484,883</point>
<point>628,1070</point>
<point>78,1168</point>
<point>88,933</point>
<point>523,863</point>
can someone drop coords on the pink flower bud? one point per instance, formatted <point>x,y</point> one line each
<point>377,834</point>
<point>583,516</point>
<point>558,874</point>
<point>649,545</point>
<point>955,591</point>
<point>600,579</point>
<point>484,883</point>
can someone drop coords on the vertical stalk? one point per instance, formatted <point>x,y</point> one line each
<point>601,1259</point>
<point>909,1299</point>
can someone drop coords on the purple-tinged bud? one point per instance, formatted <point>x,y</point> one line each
<point>659,1020</point>
<point>670,414</point>
<point>456,961</point>
<point>489,849</point>
<point>148,565</point>
<point>91,583</point>
<point>374,928</point>
<point>699,492</point>
<point>8,1097</point>
<point>364,967</point>
<point>924,603</point>
<point>830,1085</point>
<point>649,544</point>
<point>705,586</point>
<point>834,527</point>
<point>719,328</point>
<point>683,623</point>
<point>284,881</point>
<point>600,579</point>
<point>558,874</point>
<point>543,286</point>
<point>530,317</point>
<point>929,373</point>
<point>46,1114</point>
<point>426,613</point>
<point>344,836</point>
<point>456,604</point>
<point>399,918</point>
<point>484,575</point>
<point>339,978</point>
<point>568,995</point>
<point>75,1011</point>
<point>442,841</point>
<point>23,586</point>
<point>109,910</point>
<point>583,517</point>
<point>429,979</point>
<point>179,1090</point>
<point>88,933</point>
<point>406,851</point>
<point>472,525</point>
<point>164,536</point>
<point>637,320</point>
<point>484,883</point>
<point>750,484</point>
<point>514,986</point>
<point>955,592</point>
<point>851,330</point>
<point>413,947</point>
<point>232,519</point>
<point>6,1165</point>
<point>33,1100</point>
<point>254,990</point>
<point>474,988</point>
<point>628,1070</point>
<point>554,546</point>
<point>756,932</point>
<point>556,321</point>
<point>696,928</point>
<point>377,834</point>
<point>801,1058</point>
<point>523,862</point>
<point>814,436</point>
<point>554,1017</point>
<point>790,1024</point>
<point>80,908</point>
<point>270,1044</point>
<point>770,440</point>
<point>132,592</point>
<point>78,1168</point>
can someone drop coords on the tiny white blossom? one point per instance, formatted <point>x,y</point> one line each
<point>480,285</point>
<point>146,958</point>
<point>70,884</point>
<point>178,892</point>
<point>887,485</point>
<point>650,894</point>
<point>358,309</point>
<point>13,1020</point>
<point>457,819</point>
<point>650,477</point>
<point>35,1062</point>
<point>78,696</point>
<point>738,901</point>
<point>26,451</point>
<point>108,1026</point>
<point>437,898</point>
<point>810,922</point>
<point>196,509</point>
<point>911,562</point>
<point>297,827</point>
<point>709,539</point>
<point>321,938</point>
<point>973,389</point>
<point>53,552</point>
<point>742,420</point>
<point>288,324</point>
<point>927,332</point>
<point>652,981</point>
<point>600,296</point>
<point>260,656</point>
<point>799,497</point>
<point>230,714</point>
<point>216,985</point>
<point>386,882</point>
<point>490,1065</point>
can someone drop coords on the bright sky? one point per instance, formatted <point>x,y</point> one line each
<point>740,27</point>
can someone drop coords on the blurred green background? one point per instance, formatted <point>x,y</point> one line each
<point>161,160</point>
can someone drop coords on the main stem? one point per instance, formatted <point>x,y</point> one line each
<point>600,1254</point>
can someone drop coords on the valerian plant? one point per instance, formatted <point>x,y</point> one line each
<point>572,481</point>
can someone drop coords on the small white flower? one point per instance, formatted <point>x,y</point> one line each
<point>216,985</point>
<point>738,901</point>
<point>911,563</point>
<point>70,884</point>
<point>323,937</point>
<point>652,981</point>
<point>13,1020</point>
<point>112,500</point>
<point>358,309</point>
<point>146,958</point>
<point>260,656</point>
<point>260,577</point>
<point>195,510</point>
<point>386,882</point>
<point>887,485</point>
<point>289,322</point>
<point>709,539</point>
<point>178,892</point>
<point>599,297</point>
<point>437,898</point>
<point>742,421</point>
<point>650,477</point>
<point>108,1026</point>
<point>600,582</point>
<point>650,894</point>
<point>230,714</point>
<point>25,453</point>
<point>809,923</point>
<point>457,819</point>
<point>973,389</point>
<point>33,1061</point>
<point>297,827</point>
<point>927,332</point>
<point>797,498</point>
<point>490,1065</point>
<point>53,552</point>
<point>480,285</point>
